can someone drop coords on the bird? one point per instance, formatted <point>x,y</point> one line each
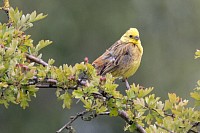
<point>123,58</point>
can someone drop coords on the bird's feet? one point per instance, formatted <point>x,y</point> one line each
<point>127,84</point>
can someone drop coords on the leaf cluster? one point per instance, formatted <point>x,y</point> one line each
<point>20,78</point>
<point>15,70</point>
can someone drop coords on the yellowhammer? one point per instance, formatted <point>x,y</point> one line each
<point>123,58</point>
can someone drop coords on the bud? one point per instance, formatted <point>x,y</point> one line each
<point>1,46</point>
<point>103,79</point>
<point>86,60</point>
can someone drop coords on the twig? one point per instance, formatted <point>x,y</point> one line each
<point>125,116</point>
<point>80,114</point>
<point>104,113</point>
<point>196,124</point>
<point>171,115</point>
<point>51,83</point>
<point>192,131</point>
<point>36,60</point>
<point>122,114</point>
<point>6,7</point>
<point>164,128</point>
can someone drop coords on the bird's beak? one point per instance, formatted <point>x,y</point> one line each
<point>136,38</point>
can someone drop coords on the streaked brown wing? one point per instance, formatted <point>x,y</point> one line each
<point>110,60</point>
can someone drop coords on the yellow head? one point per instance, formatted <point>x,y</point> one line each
<point>131,36</point>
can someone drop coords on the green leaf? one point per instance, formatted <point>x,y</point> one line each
<point>139,103</point>
<point>114,112</point>
<point>67,100</point>
<point>149,118</point>
<point>144,92</point>
<point>91,71</point>
<point>23,99</point>
<point>198,82</point>
<point>39,17</point>
<point>132,128</point>
<point>135,88</point>
<point>160,112</point>
<point>24,103</point>
<point>101,109</point>
<point>3,85</point>
<point>42,44</point>
<point>168,105</point>
<point>32,16</point>
<point>195,95</point>
<point>58,91</point>
<point>90,90</point>
<point>130,93</point>
<point>87,103</point>
<point>151,100</point>
<point>197,54</point>
<point>80,66</point>
<point>5,102</point>
<point>14,15</point>
<point>78,93</point>
<point>51,61</point>
<point>173,98</point>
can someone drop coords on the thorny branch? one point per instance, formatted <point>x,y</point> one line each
<point>164,128</point>
<point>52,83</point>
<point>122,114</point>
<point>196,124</point>
<point>73,118</point>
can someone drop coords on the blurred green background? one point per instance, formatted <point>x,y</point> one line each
<point>169,31</point>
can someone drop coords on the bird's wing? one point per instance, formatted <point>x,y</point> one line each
<point>110,60</point>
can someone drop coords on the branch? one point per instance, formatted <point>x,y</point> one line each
<point>6,7</point>
<point>196,124</point>
<point>67,125</point>
<point>164,128</point>
<point>166,114</point>
<point>36,60</point>
<point>52,83</point>
<point>124,116</point>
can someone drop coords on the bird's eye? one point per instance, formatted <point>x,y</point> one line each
<point>130,36</point>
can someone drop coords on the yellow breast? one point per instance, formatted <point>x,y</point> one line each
<point>132,69</point>
<point>130,63</point>
<point>134,64</point>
